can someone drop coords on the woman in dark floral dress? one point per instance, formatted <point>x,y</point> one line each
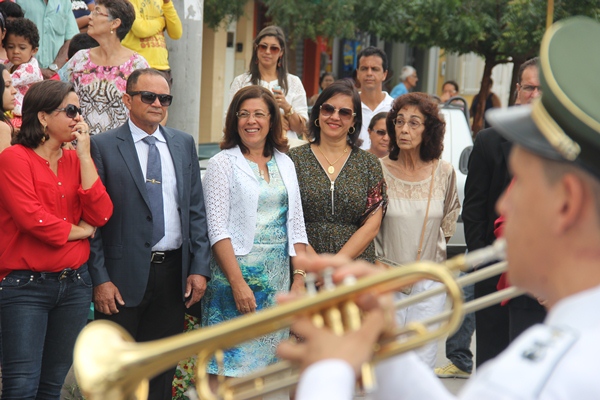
<point>342,186</point>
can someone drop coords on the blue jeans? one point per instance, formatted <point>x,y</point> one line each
<point>42,314</point>
<point>458,346</point>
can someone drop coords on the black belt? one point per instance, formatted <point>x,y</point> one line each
<point>159,257</point>
<point>59,276</point>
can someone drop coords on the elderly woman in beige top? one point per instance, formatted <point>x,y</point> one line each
<point>423,199</point>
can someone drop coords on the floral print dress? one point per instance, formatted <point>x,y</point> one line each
<point>100,89</point>
<point>266,269</point>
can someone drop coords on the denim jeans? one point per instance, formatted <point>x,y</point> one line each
<point>41,318</point>
<point>458,346</point>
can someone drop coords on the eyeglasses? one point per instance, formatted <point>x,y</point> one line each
<point>327,110</point>
<point>71,110</point>
<point>381,132</point>
<point>256,115</point>
<point>95,13</point>
<point>150,97</point>
<point>263,47</point>
<point>531,89</point>
<point>412,124</point>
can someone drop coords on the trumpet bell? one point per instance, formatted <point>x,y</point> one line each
<point>104,378</point>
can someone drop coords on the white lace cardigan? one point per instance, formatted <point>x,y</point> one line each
<point>231,198</point>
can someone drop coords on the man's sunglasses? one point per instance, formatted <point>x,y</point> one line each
<point>150,97</point>
<point>71,110</point>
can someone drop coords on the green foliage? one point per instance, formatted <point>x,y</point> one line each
<point>307,19</point>
<point>219,13</point>
<point>495,29</point>
<point>525,22</point>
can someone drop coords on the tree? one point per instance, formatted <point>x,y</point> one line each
<point>219,13</point>
<point>500,31</point>
<point>307,19</point>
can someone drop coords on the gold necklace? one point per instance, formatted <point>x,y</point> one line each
<point>331,169</point>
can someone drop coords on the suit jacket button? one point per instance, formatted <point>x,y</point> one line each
<point>146,244</point>
<point>149,218</point>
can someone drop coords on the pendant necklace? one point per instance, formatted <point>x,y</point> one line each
<point>331,168</point>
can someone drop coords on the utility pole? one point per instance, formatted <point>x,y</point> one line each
<point>185,59</point>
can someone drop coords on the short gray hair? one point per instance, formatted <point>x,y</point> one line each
<point>406,71</point>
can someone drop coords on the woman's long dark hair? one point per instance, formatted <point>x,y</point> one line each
<point>282,72</point>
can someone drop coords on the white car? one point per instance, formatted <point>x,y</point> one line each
<point>458,144</point>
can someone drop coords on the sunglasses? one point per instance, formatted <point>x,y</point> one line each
<point>263,47</point>
<point>381,132</point>
<point>327,110</point>
<point>150,97</point>
<point>71,110</point>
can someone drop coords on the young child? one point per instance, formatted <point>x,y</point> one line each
<point>21,43</point>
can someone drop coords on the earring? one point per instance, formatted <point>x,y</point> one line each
<point>353,130</point>
<point>279,63</point>
<point>256,61</point>
<point>317,123</point>
<point>111,31</point>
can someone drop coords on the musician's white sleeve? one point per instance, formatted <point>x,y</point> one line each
<point>406,377</point>
<point>327,380</point>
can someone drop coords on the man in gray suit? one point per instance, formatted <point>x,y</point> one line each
<point>150,261</point>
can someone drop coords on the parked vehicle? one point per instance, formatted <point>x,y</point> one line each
<point>458,144</point>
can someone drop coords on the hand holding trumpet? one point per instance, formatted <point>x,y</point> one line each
<point>355,347</point>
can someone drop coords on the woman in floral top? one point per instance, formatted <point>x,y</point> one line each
<point>100,74</point>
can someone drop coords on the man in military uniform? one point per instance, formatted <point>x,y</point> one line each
<point>552,229</point>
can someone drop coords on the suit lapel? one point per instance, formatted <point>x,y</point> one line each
<point>127,149</point>
<point>177,155</point>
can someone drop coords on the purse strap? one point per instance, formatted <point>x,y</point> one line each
<point>426,212</point>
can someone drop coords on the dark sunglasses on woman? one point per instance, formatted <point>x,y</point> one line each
<point>380,132</point>
<point>71,110</point>
<point>327,110</point>
<point>150,97</point>
<point>263,47</point>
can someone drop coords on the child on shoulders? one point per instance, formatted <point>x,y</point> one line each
<point>21,43</point>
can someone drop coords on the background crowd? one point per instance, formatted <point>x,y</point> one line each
<point>361,175</point>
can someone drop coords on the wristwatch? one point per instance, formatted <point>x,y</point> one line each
<point>289,113</point>
<point>53,67</point>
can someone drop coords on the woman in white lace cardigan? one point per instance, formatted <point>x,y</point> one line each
<point>255,224</point>
<point>268,68</point>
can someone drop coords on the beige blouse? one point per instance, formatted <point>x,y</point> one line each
<point>400,232</point>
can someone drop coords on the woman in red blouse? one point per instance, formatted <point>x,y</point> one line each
<point>51,201</point>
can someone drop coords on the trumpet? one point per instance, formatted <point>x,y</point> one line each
<point>121,368</point>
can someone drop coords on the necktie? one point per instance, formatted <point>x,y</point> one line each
<point>154,188</point>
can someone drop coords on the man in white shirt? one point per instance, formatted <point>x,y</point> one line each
<point>552,229</point>
<point>370,74</point>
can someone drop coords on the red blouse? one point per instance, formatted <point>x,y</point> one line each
<point>37,209</point>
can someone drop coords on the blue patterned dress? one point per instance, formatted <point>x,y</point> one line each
<point>266,269</point>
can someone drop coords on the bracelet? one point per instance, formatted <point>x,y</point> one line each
<point>300,272</point>
<point>289,114</point>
